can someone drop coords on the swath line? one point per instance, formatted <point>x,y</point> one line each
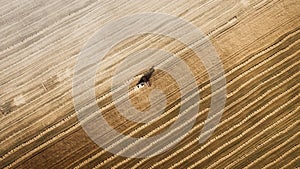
<point>253,138</point>
<point>235,102</point>
<point>297,160</point>
<point>276,148</point>
<point>256,136</point>
<point>282,156</point>
<point>268,58</point>
<point>223,134</point>
<point>292,77</point>
<point>95,157</point>
<point>132,79</point>
<point>248,82</point>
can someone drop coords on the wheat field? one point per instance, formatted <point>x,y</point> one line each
<point>258,43</point>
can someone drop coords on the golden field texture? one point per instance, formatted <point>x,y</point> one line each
<point>258,43</point>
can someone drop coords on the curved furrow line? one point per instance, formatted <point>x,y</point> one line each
<point>240,136</point>
<point>281,40</point>
<point>35,143</point>
<point>253,150</point>
<point>240,89</point>
<point>195,141</point>
<point>192,96</point>
<point>107,95</point>
<point>166,159</point>
<point>248,82</point>
<point>291,151</point>
<point>228,119</point>
<point>275,148</point>
<point>99,99</point>
<point>245,84</point>
<point>43,133</point>
<point>103,97</point>
<point>187,123</point>
<point>236,79</point>
<point>249,60</point>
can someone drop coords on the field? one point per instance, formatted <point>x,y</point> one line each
<point>258,43</point>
